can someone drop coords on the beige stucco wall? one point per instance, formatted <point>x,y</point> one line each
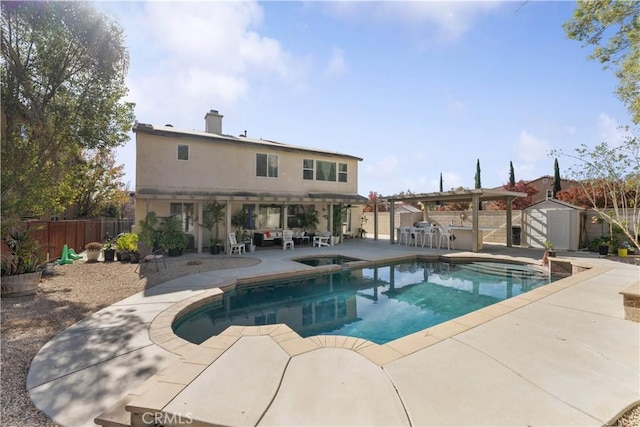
<point>228,167</point>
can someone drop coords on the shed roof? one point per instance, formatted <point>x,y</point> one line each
<point>557,204</point>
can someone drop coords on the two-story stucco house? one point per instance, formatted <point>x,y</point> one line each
<point>180,171</point>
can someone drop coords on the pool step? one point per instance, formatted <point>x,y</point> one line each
<point>501,270</point>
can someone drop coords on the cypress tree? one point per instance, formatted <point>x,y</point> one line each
<point>556,179</point>
<point>441,190</point>
<point>512,176</point>
<point>478,183</point>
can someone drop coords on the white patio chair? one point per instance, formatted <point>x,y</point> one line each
<point>235,246</point>
<point>446,234</point>
<point>428,233</point>
<point>404,234</point>
<point>287,239</point>
<point>322,240</point>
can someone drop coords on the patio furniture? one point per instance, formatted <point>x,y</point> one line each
<point>322,240</point>
<point>287,240</point>
<point>235,246</point>
<point>148,256</point>
<point>446,234</point>
<point>404,234</point>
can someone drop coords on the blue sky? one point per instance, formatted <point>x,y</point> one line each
<point>414,88</point>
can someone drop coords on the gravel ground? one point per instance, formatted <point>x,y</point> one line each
<point>74,292</point>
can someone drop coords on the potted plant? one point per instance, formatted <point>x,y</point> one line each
<point>212,215</point>
<point>109,250</point>
<point>308,221</point>
<point>171,236</point>
<point>240,220</point>
<point>20,260</point>
<point>126,244</point>
<point>551,252</point>
<point>148,233</point>
<point>93,251</point>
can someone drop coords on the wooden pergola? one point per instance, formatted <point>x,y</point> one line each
<point>475,196</point>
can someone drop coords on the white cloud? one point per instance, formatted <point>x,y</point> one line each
<point>201,54</point>
<point>445,20</point>
<point>337,65</point>
<point>609,130</point>
<point>530,149</point>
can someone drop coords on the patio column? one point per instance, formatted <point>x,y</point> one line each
<point>392,225</point>
<point>509,225</point>
<point>375,220</point>
<point>199,227</point>
<point>475,223</point>
<point>227,220</point>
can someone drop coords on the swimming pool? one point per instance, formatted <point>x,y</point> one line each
<point>380,303</point>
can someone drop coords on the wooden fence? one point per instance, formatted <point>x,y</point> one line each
<point>76,233</point>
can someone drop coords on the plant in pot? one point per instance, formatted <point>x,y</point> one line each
<point>212,215</point>
<point>551,252</point>
<point>339,215</point>
<point>308,220</point>
<point>109,250</point>
<point>93,251</point>
<point>148,234</point>
<point>20,261</point>
<point>240,220</point>
<point>172,237</point>
<point>126,244</point>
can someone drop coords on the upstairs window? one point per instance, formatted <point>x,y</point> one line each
<point>325,171</point>
<point>267,165</point>
<point>307,169</point>
<point>183,152</point>
<point>342,172</point>
<point>549,194</point>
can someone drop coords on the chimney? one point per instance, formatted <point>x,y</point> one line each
<point>213,122</point>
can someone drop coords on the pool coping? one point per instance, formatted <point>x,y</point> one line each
<point>161,329</point>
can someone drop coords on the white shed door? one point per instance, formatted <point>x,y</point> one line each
<point>559,230</point>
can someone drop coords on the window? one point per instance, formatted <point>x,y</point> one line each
<point>307,169</point>
<point>183,152</point>
<point>549,194</point>
<point>267,165</point>
<point>342,172</point>
<point>269,217</point>
<point>325,171</point>
<point>184,212</point>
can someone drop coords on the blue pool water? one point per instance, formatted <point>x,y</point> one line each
<point>379,303</point>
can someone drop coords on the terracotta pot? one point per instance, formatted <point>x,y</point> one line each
<point>20,284</point>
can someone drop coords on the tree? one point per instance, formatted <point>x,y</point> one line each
<point>556,178</point>
<point>101,191</point>
<point>619,20</point>
<point>441,183</point>
<point>579,197</point>
<point>518,203</point>
<point>612,173</point>
<point>477,179</point>
<point>374,197</point>
<point>512,175</point>
<point>63,68</point>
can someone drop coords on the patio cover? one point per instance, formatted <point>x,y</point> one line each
<point>475,196</point>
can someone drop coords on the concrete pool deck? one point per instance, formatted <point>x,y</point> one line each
<point>559,355</point>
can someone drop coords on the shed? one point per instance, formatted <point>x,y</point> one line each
<point>552,220</point>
